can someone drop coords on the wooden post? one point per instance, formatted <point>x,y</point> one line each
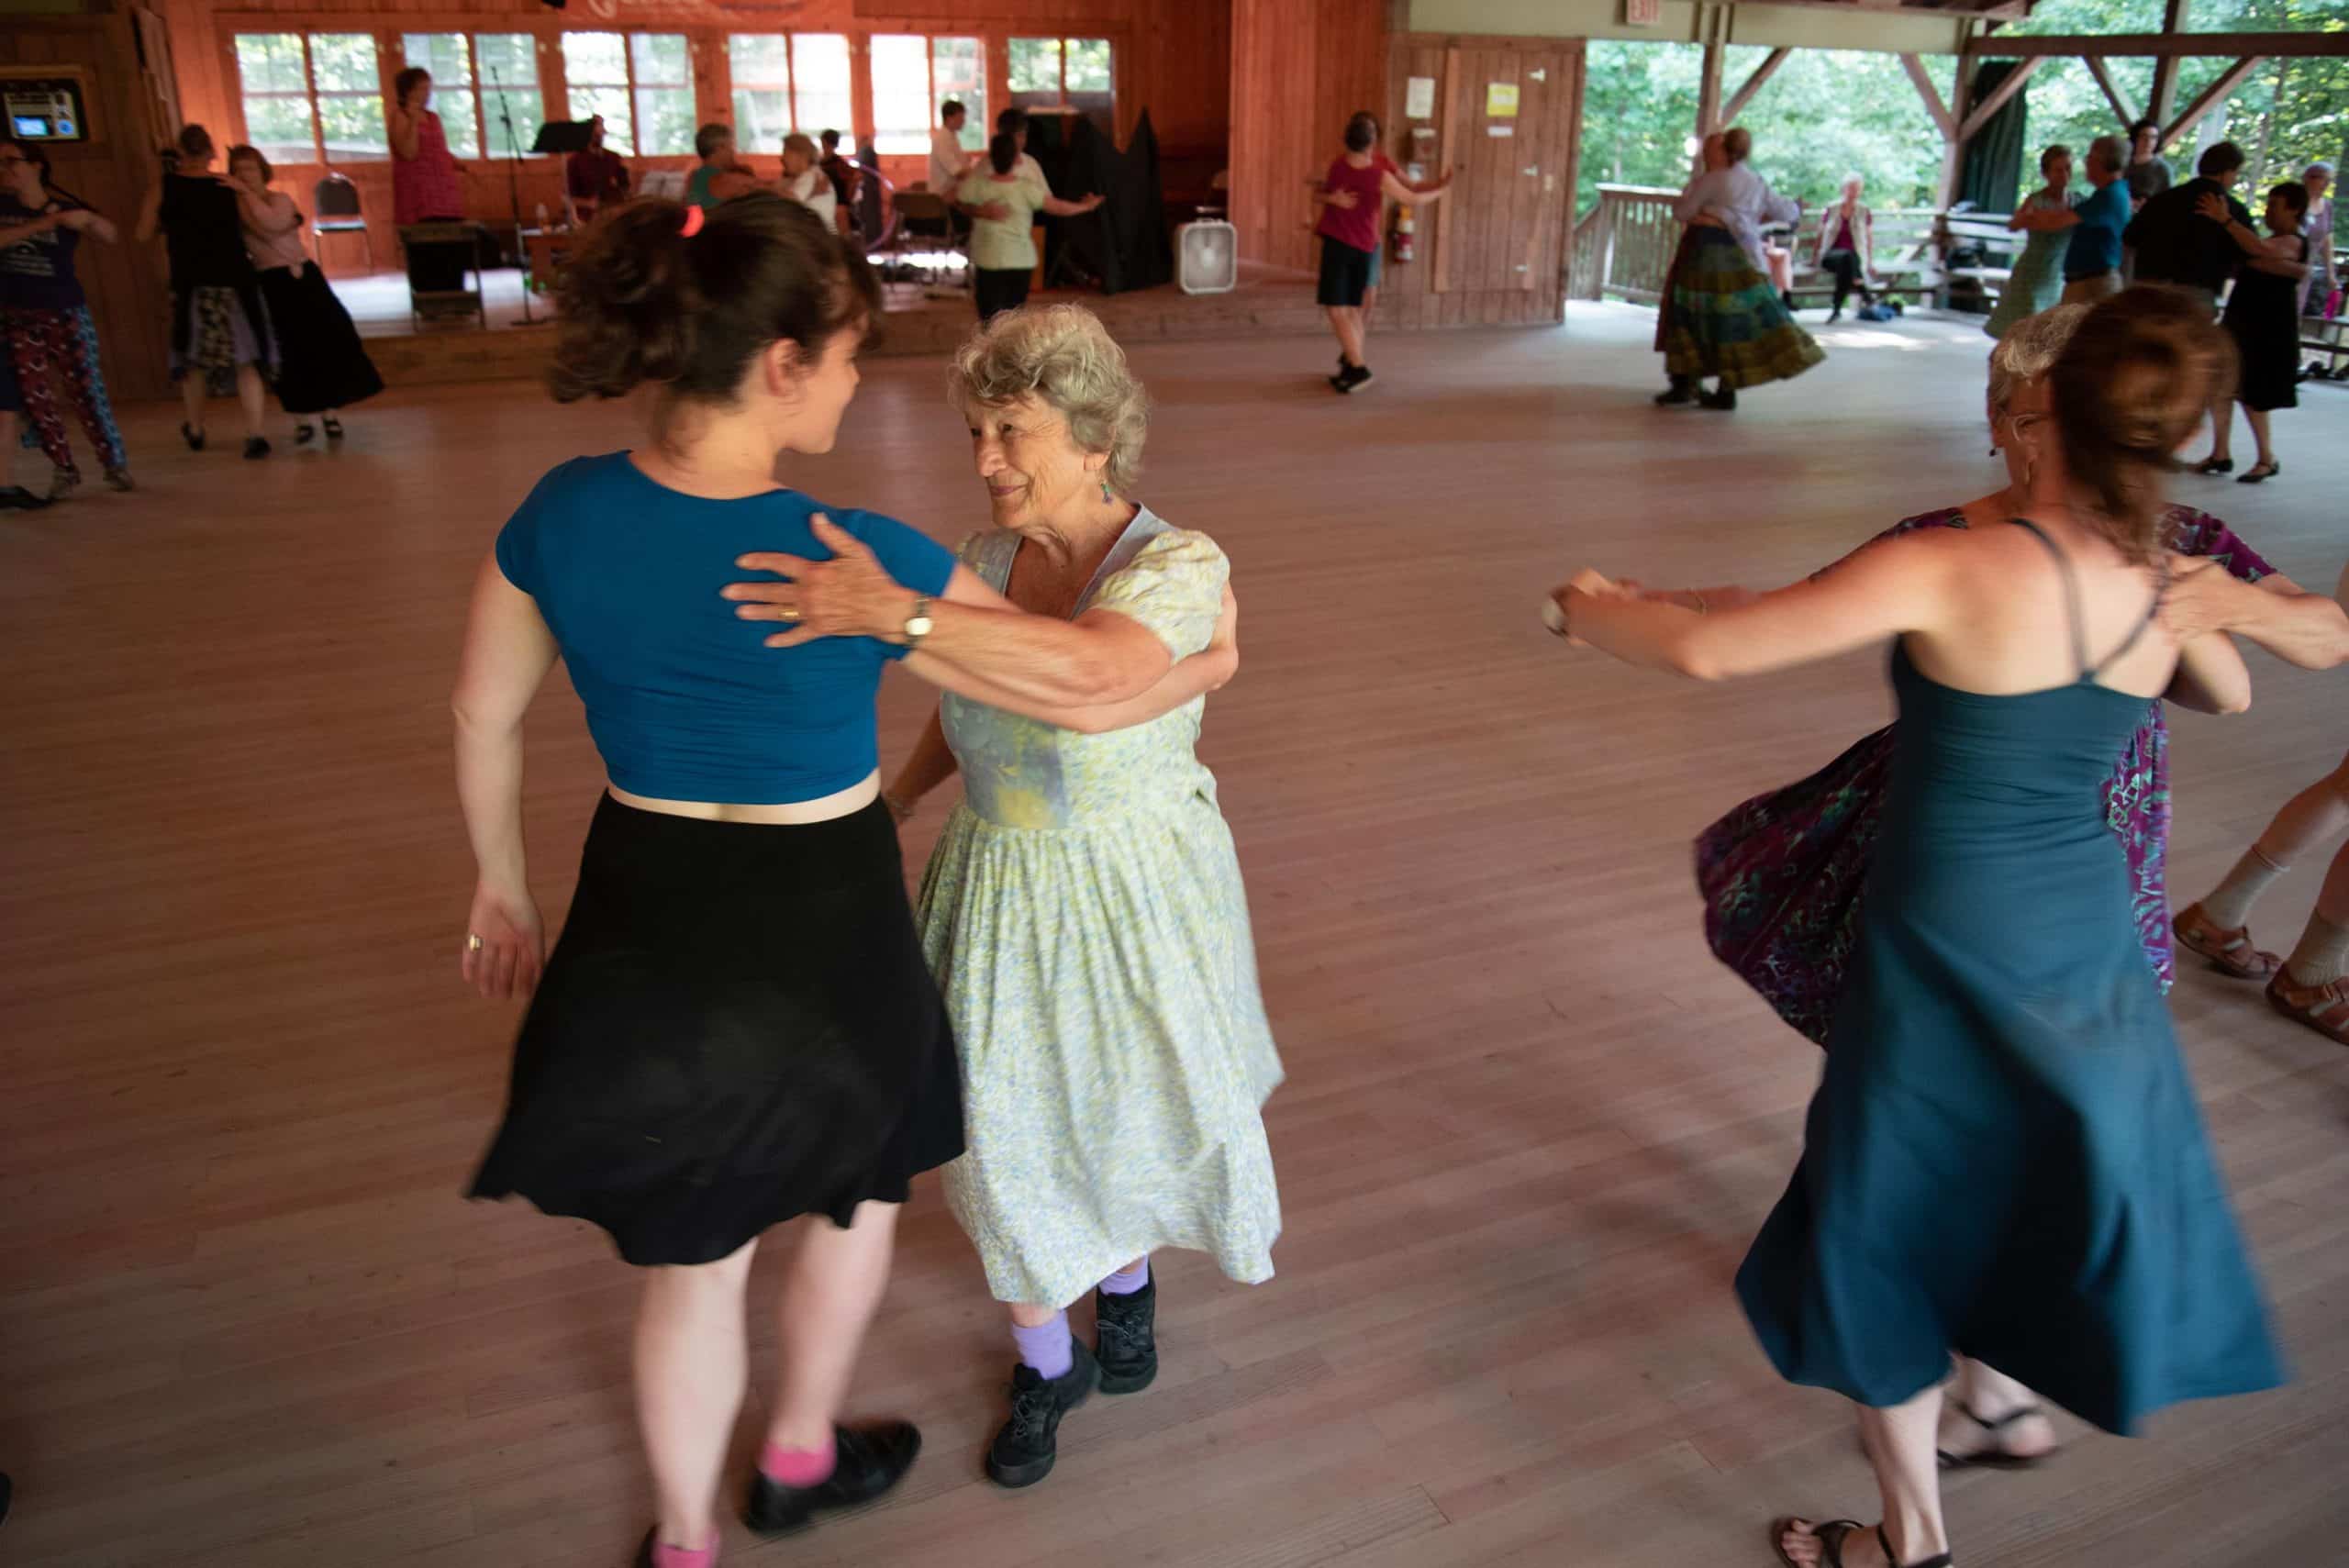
<point>2165,93</point>
<point>1708,84</point>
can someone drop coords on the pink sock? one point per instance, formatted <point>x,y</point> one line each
<point>1125,1281</point>
<point>666,1556</point>
<point>799,1466</point>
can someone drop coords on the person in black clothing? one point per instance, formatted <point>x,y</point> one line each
<point>2174,244</point>
<point>2263,317</point>
<point>220,341</point>
<point>845,177</point>
<point>2147,175</point>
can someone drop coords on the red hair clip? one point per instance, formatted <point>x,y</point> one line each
<point>695,218</point>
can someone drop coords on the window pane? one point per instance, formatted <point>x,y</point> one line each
<point>900,93</point>
<point>599,59</point>
<point>455,107</point>
<point>820,92</point>
<point>351,124</point>
<point>960,72</point>
<point>280,127</point>
<point>759,60</point>
<point>344,63</point>
<point>660,60</point>
<point>665,120</point>
<point>762,119</point>
<point>509,58</point>
<point>443,54</point>
<point>620,125</point>
<point>271,63</point>
<point>1088,65</point>
<point>1036,65</point>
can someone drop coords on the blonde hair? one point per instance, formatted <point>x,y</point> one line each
<point>2031,349</point>
<point>1061,355</point>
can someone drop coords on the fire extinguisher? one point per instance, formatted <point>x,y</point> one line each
<point>1405,227</point>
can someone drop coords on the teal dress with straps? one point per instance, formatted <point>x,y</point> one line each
<point>2004,1157</point>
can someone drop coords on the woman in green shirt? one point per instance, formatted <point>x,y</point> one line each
<point>1002,206</point>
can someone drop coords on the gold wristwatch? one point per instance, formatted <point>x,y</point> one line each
<point>918,625</point>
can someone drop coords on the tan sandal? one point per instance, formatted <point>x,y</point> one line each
<point>2324,1009</point>
<point>2229,952</point>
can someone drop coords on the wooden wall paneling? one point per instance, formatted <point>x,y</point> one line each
<point>1445,272</point>
<point>1569,182</point>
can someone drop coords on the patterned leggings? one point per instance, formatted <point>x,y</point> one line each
<point>63,345</point>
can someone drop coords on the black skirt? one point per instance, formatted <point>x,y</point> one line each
<point>735,1028</point>
<point>321,364</point>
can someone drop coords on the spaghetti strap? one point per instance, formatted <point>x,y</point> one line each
<point>2153,613</point>
<point>2071,595</point>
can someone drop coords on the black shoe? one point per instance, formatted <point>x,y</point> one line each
<point>1338,382</point>
<point>1724,400</point>
<point>256,448</point>
<point>1834,315</point>
<point>1354,378</point>
<point>2214,466</point>
<point>1679,391</point>
<point>304,433</point>
<point>17,498</point>
<point>1024,1451</point>
<point>2258,472</point>
<point>872,1459</point>
<point>1124,1328</point>
<point>1786,299</point>
<point>193,437</point>
<point>333,428</point>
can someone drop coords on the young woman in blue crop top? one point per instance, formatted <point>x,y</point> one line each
<point>737,1026</point>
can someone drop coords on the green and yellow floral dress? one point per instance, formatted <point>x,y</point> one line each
<point>1083,915</point>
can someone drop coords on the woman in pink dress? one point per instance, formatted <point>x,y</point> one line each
<point>424,179</point>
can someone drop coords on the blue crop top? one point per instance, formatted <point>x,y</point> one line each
<point>684,699</point>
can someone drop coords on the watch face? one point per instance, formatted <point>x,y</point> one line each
<point>917,627</point>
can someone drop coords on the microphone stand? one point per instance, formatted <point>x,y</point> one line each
<point>514,185</point>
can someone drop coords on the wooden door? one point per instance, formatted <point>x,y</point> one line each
<point>1508,128</point>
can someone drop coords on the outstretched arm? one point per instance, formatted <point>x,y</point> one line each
<point>2296,626</point>
<point>1414,195</point>
<point>151,213</point>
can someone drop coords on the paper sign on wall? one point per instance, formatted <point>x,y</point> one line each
<point>1500,100</point>
<point>1500,130</point>
<point>1418,98</point>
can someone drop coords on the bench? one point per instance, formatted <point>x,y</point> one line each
<point>1908,259</point>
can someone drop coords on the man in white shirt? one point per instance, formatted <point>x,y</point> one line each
<point>948,161</point>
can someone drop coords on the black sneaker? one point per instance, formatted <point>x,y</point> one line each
<point>872,1459</point>
<point>1724,400</point>
<point>1354,378</point>
<point>17,498</point>
<point>1024,1451</point>
<point>1126,1329</point>
<point>1681,391</point>
<point>256,448</point>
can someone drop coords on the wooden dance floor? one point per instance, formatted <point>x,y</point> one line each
<point>247,1321</point>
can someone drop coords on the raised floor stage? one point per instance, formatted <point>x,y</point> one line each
<point>247,1321</point>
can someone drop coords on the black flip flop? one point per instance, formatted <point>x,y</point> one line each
<point>1830,1545</point>
<point>1991,1458</point>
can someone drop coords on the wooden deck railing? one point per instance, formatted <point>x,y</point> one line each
<point>1623,245</point>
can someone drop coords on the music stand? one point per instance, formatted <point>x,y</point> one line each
<point>556,136</point>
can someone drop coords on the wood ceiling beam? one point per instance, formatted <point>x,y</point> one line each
<point>1754,84</point>
<point>2121,108</point>
<point>2161,46</point>
<point>1915,66</point>
<point>2210,97</point>
<point>1980,116</point>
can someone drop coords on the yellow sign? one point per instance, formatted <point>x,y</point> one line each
<point>1500,100</point>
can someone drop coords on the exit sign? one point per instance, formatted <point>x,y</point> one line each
<point>1642,13</point>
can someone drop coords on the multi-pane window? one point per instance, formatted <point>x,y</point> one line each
<point>912,75</point>
<point>1077,73</point>
<point>476,75</point>
<point>662,75</point>
<point>312,98</point>
<point>820,99</point>
<point>761,66</point>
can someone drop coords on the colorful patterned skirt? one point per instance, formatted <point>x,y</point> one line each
<point>1726,320</point>
<point>215,328</point>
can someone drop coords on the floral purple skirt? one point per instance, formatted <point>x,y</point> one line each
<point>1782,874</point>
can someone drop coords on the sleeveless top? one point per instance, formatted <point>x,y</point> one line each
<point>425,187</point>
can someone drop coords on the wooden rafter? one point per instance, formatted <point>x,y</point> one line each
<point>2112,94</point>
<point>1979,115</point>
<point>2165,93</point>
<point>1915,66</point>
<point>2216,92</point>
<point>2092,46</point>
<point>1754,84</point>
<point>1709,78</point>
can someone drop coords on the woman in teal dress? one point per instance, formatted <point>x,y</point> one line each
<point>2004,1159</point>
<point>2036,282</point>
<point>1083,911</point>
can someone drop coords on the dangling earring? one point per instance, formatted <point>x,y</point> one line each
<point>1106,496</point>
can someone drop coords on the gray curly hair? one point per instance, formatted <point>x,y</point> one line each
<point>2031,349</point>
<point>1061,355</point>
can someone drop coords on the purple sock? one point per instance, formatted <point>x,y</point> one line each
<point>1046,1347</point>
<point>1125,1281</point>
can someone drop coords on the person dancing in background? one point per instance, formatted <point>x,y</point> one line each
<point>1378,253</point>
<point>220,339</point>
<point>322,366</point>
<point>1111,1119</point>
<point>737,1026</point>
<point>1002,204</point>
<point>1727,323</point>
<point>2092,227</point>
<point>1996,937</point>
<point>2264,316</point>
<point>1782,875</point>
<point>1354,195</point>
<point>1709,157</point>
<point>2036,280</point>
<point>47,334</point>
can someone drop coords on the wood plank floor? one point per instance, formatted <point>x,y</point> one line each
<point>245,1317</point>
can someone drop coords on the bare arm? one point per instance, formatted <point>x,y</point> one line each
<point>2211,676</point>
<point>265,212</point>
<point>1397,190</point>
<point>30,226</point>
<point>1060,208</point>
<point>90,222</point>
<point>2296,626</point>
<point>403,126</point>
<point>1208,670</point>
<point>1101,657</point>
<point>150,213</point>
<point>509,651</point>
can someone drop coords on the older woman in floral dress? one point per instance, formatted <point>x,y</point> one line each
<point>1084,911</point>
<point>1782,874</point>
